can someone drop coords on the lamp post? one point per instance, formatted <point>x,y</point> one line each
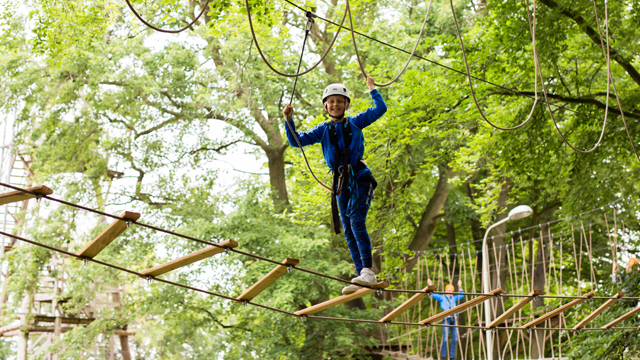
<point>516,213</point>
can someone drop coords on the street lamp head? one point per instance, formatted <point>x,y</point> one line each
<point>519,212</point>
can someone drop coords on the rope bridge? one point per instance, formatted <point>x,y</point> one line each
<point>510,258</point>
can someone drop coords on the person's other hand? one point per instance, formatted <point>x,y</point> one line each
<point>370,83</point>
<point>429,282</point>
<point>459,284</point>
<point>615,266</point>
<point>288,112</point>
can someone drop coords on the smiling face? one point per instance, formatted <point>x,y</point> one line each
<point>336,105</point>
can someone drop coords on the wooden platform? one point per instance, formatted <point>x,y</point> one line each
<point>189,259</point>
<point>461,307</point>
<point>558,311</point>
<point>340,300</point>
<point>622,318</point>
<point>267,280</point>
<point>512,310</point>
<point>598,311</point>
<point>15,196</point>
<point>108,235</point>
<point>408,304</point>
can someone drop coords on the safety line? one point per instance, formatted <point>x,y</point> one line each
<point>204,8</point>
<point>274,261</point>
<point>152,278</point>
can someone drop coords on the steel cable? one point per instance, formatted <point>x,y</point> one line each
<point>204,8</point>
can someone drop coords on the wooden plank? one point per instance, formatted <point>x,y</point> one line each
<point>267,280</point>
<point>598,311</point>
<point>622,318</point>
<point>63,320</point>
<point>189,259</point>
<point>408,304</point>
<point>461,307</point>
<point>340,300</point>
<point>15,196</point>
<point>557,311</point>
<point>108,235</point>
<point>512,310</point>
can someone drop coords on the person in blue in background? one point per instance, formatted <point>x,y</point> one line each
<point>447,302</point>
<point>342,143</point>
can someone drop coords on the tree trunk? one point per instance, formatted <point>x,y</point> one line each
<point>277,178</point>
<point>428,221</point>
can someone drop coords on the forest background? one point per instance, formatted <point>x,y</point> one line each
<point>119,117</point>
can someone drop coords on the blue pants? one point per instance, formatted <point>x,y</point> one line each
<point>355,226</point>
<point>451,320</point>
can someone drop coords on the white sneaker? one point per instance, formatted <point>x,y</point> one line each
<point>350,289</point>
<point>367,277</point>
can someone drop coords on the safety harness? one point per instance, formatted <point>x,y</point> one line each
<point>344,174</point>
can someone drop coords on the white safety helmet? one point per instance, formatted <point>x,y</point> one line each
<point>335,89</point>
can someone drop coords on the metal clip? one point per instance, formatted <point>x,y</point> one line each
<point>387,324</point>
<point>129,222</point>
<point>85,261</point>
<point>148,278</point>
<point>535,297</point>
<point>427,325</point>
<point>379,292</point>
<point>497,295</point>
<point>289,268</point>
<point>245,302</point>
<point>430,295</point>
<point>303,318</point>
<point>227,250</point>
<point>38,197</point>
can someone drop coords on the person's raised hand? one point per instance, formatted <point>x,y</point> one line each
<point>615,266</point>
<point>429,282</point>
<point>370,83</point>
<point>288,112</point>
<point>459,284</point>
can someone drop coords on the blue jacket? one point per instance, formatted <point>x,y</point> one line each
<point>448,302</point>
<point>319,134</point>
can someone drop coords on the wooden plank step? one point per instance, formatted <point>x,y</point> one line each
<point>267,280</point>
<point>189,259</point>
<point>340,300</point>
<point>512,310</point>
<point>408,304</point>
<point>63,320</point>
<point>461,307</point>
<point>622,318</point>
<point>598,311</point>
<point>15,196</point>
<point>557,311</point>
<point>108,235</point>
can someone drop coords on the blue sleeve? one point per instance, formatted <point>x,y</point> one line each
<point>438,297</point>
<point>459,297</point>
<point>369,116</point>
<point>310,137</point>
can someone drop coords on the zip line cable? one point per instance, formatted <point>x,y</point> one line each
<point>234,250</point>
<point>204,8</point>
<point>150,278</point>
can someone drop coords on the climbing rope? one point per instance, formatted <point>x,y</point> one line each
<point>532,29</point>
<point>204,8</point>
<point>298,73</point>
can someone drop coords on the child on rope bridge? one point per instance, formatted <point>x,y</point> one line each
<point>353,183</point>
<point>447,302</point>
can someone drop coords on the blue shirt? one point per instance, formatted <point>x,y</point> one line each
<point>448,302</point>
<point>319,134</point>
